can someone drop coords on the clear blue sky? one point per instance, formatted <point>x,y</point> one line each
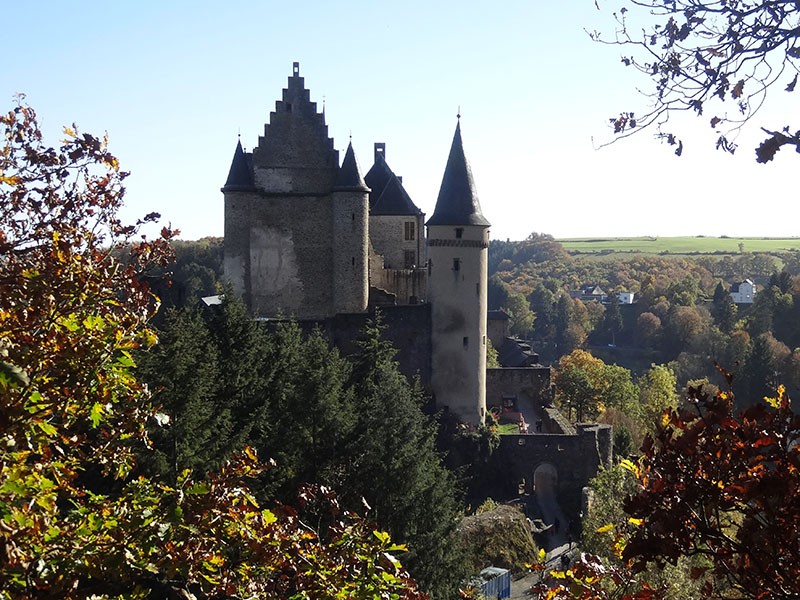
<point>173,83</point>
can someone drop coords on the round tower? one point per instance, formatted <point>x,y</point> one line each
<point>458,242</point>
<point>350,233</point>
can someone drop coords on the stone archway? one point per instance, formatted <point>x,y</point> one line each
<point>545,480</point>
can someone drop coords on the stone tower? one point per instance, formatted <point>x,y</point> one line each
<point>458,242</point>
<point>296,224</point>
<point>350,238</point>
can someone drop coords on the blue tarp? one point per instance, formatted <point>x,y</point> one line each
<point>496,583</point>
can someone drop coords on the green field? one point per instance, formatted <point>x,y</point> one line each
<point>679,245</point>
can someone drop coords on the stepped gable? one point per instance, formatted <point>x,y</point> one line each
<point>457,203</point>
<point>296,135</point>
<point>349,177</point>
<point>240,176</point>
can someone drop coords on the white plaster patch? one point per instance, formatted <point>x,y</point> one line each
<point>273,270</point>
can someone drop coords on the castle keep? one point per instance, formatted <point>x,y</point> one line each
<point>309,238</point>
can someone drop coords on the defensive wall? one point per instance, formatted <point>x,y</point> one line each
<point>574,458</point>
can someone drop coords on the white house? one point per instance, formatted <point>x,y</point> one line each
<point>626,297</point>
<point>743,292</point>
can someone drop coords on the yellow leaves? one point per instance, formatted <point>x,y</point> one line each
<point>665,418</point>
<point>70,132</point>
<point>268,517</point>
<point>780,400</point>
<point>605,528</point>
<point>619,546</point>
<point>382,536</point>
<point>10,179</point>
<point>630,466</point>
<point>634,521</point>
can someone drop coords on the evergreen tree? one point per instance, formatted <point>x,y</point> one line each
<point>395,467</point>
<point>309,413</point>
<point>211,382</point>
<point>183,370</point>
<point>725,310</point>
<point>612,319</point>
<point>757,374</point>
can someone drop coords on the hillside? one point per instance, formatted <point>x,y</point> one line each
<point>679,245</point>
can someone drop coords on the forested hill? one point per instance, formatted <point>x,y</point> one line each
<point>683,314</point>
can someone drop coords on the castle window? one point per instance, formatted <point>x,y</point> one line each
<point>466,342</point>
<point>353,217</point>
<point>456,264</point>
<point>410,230</point>
<point>353,261</point>
<point>430,266</point>
<point>459,232</point>
<point>409,259</point>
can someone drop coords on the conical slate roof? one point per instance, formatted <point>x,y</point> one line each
<point>240,176</point>
<point>458,201</point>
<point>349,176</point>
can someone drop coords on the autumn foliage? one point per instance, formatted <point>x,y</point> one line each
<point>75,518</point>
<point>714,58</point>
<point>726,487</point>
<point>718,487</point>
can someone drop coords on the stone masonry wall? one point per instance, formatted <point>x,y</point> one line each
<point>576,458</point>
<point>290,255</point>
<point>387,234</point>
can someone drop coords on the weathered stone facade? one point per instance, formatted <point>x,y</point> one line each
<point>295,223</point>
<point>308,239</point>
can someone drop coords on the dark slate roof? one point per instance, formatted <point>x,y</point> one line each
<point>513,352</point>
<point>395,201</point>
<point>387,195</point>
<point>377,179</point>
<point>349,176</point>
<point>458,201</point>
<point>240,177</point>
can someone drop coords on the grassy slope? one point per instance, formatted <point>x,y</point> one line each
<point>679,245</point>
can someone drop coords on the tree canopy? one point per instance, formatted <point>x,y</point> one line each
<point>714,58</point>
<point>76,520</point>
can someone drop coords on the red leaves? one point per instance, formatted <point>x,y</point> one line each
<point>624,122</point>
<point>726,486</point>
<point>738,89</point>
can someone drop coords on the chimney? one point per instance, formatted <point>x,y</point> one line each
<point>380,151</point>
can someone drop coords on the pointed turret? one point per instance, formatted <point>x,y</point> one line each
<point>458,201</point>
<point>458,242</point>
<point>240,176</point>
<point>349,177</point>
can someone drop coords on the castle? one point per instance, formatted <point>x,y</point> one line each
<point>310,238</point>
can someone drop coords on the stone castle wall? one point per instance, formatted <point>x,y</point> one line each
<point>576,459</point>
<point>387,234</point>
<point>286,265</point>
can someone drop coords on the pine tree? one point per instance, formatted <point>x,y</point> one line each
<point>394,465</point>
<point>725,310</point>
<point>309,414</point>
